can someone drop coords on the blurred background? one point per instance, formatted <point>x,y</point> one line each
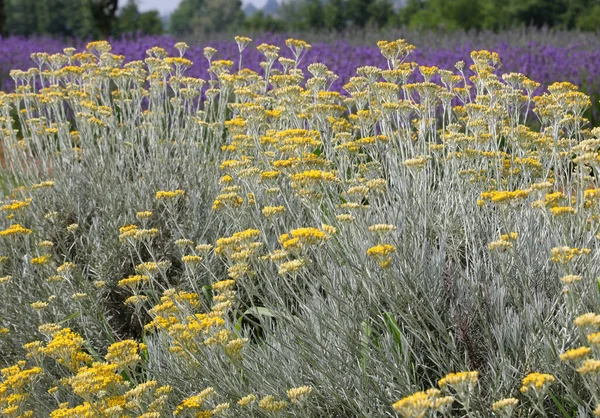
<point>103,18</point>
<point>547,40</point>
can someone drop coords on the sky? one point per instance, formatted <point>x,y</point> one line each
<point>167,6</point>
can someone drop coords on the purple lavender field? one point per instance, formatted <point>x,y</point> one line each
<point>544,56</point>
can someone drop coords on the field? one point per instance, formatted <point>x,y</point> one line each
<point>273,228</point>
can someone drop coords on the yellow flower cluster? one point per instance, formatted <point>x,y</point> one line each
<point>15,229</point>
<point>537,383</point>
<point>278,146</point>
<point>419,404</point>
<point>564,255</point>
<point>169,195</point>
<point>381,253</point>
<point>505,242</point>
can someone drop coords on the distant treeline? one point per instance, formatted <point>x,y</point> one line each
<point>431,14</point>
<point>76,18</point>
<point>101,18</point>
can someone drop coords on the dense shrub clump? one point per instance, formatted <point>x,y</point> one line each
<point>256,244</point>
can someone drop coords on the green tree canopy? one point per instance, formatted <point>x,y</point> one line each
<point>61,17</point>
<point>204,16</point>
<point>337,14</point>
<point>131,20</point>
<point>501,14</point>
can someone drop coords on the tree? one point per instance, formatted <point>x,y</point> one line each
<point>2,18</point>
<point>73,18</point>
<point>259,22</point>
<point>313,14</point>
<point>358,12</point>
<point>380,13</point>
<point>105,14</point>
<point>131,20</point>
<point>80,18</point>
<point>21,17</point>
<point>334,16</point>
<point>205,16</point>
<point>181,18</point>
<point>150,23</point>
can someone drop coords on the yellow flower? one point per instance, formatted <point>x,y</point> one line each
<point>500,245</point>
<point>15,229</point>
<point>152,267</point>
<point>39,305</point>
<point>594,339</point>
<point>575,353</point>
<point>40,260</point>
<point>270,211</point>
<point>308,236</point>
<point>504,196</point>
<point>169,195</point>
<point>234,347</point>
<point>381,250</point>
<point>297,394</point>
<point>381,253</point>
<point>46,244</point>
<point>382,228</point>
<point>16,205</point>
<point>563,255</point>
<point>183,242</point>
<point>290,267</point>
<point>269,175</point>
<point>413,406</point>
<point>96,379</point>
<point>123,353</point>
<point>505,407</point>
<point>133,281</point>
<point>143,215</point>
<point>460,381</point>
<point>536,382</point>
<point>136,300</point>
<point>191,259</point>
<point>79,296</point>
<point>65,268</point>
<point>345,217</point>
<point>570,279</point>
<point>562,210</point>
<point>223,285</point>
<point>587,320</point>
<point>242,42</point>
<point>194,403</point>
<point>417,162</point>
<point>313,177</point>
<point>220,408</point>
<point>47,183</point>
<point>246,400</point>
<point>203,248</point>
<point>590,366</point>
<point>328,229</point>
<point>269,404</point>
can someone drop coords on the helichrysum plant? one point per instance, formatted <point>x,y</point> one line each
<point>422,243</point>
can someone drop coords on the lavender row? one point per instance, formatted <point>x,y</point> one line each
<point>578,62</point>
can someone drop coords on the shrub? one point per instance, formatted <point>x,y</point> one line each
<point>259,245</point>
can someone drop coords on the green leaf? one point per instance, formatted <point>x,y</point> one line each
<point>207,292</point>
<point>561,407</point>
<point>68,318</point>
<point>259,311</point>
<point>392,325</point>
